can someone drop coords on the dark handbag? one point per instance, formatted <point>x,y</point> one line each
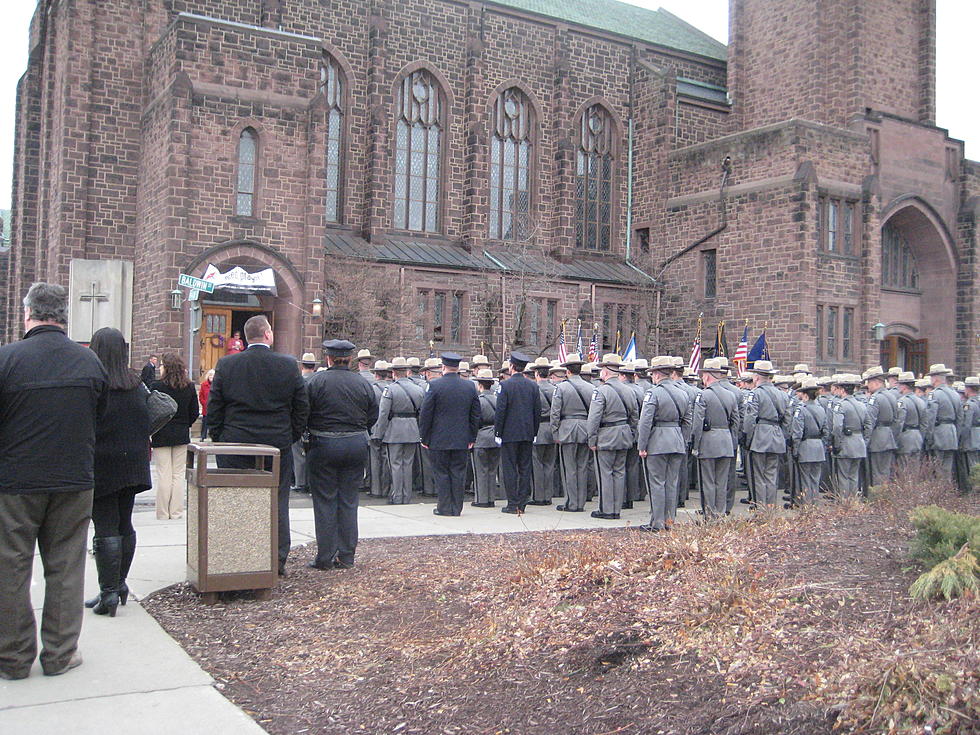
<point>161,409</point>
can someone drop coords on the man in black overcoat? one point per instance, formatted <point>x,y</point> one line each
<point>448,422</point>
<point>518,419</point>
<point>149,372</point>
<point>259,397</point>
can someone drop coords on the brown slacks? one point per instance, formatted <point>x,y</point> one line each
<point>57,523</point>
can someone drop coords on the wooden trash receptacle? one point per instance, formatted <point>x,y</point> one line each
<point>232,521</point>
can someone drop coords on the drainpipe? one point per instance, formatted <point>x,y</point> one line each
<point>503,298</point>
<point>726,170</point>
<point>629,206</point>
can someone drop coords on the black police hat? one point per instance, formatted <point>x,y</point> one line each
<point>338,347</point>
<point>451,359</point>
<point>519,360</point>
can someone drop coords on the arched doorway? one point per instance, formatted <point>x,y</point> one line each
<point>918,288</point>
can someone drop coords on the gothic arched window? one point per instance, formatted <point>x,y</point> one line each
<point>593,180</point>
<point>248,148</point>
<point>418,140</point>
<point>332,89</point>
<point>898,268</point>
<point>510,166</point>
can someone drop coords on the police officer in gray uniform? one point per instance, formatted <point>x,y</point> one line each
<point>665,421</point>
<point>885,424</point>
<point>380,471</point>
<point>636,488</point>
<point>847,435</point>
<point>398,427</point>
<point>945,414</point>
<point>724,382</point>
<point>766,425</point>
<point>715,425</point>
<point>486,452</point>
<point>307,367</point>
<point>810,433</point>
<point>569,412</point>
<point>970,426</point>
<point>913,409</point>
<point>610,427</point>
<point>544,452</point>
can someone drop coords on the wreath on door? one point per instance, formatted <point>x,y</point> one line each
<point>217,340</point>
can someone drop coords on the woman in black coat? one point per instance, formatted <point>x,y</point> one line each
<point>170,443</point>
<point>122,469</point>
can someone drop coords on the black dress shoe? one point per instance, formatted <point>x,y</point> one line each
<point>482,505</point>
<point>680,504</point>
<point>321,567</point>
<point>340,564</point>
<point>746,501</point>
<point>539,502</point>
<point>628,505</point>
<point>648,528</point>
<point>605,516</point>
<point>566,509</point>
<point>510,509</point>
<point>437,512</point>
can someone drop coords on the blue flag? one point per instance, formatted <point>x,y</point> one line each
<point>629,354</point>
<point>759,351</point>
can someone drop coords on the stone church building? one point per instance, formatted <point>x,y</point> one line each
<point>471,174</point>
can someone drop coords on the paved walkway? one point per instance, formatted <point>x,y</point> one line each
<point>136,678</point>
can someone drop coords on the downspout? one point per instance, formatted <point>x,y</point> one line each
<point>726,170</point>
<point>629,204</point>
<point>503,300</point>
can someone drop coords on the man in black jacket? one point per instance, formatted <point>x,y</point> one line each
<point>518,419</point>
<point>448,422</point>
<point>149,372</point>
<point>259,397</point>
<point>52,394</point>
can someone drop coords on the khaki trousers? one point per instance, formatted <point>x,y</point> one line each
<point>170,480</point>
<point>57,523</point>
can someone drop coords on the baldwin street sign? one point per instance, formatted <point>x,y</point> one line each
<point>188,281</point>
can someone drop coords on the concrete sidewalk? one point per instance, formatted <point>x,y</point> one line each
<point>136,678</point>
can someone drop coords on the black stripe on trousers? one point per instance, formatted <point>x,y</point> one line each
<point>598,476</point>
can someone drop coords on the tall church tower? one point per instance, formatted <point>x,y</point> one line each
<point>828,60</point>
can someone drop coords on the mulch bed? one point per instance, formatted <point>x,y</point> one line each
<point>798,624</point>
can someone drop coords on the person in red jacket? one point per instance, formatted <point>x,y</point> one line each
<point>235,344</point>
<point>202,395</point>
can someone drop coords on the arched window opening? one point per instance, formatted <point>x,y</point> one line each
<point>898,267</point>
<point>332,89</point>
<point>593,182</point>
<point>248,145</point>
<point>418,139</point>
<point>510,167</point>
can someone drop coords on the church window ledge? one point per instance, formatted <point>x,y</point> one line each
<point>241,219</point>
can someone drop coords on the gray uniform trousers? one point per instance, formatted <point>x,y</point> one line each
<point>611,479</point>
<point>765,470</point>
<point>380,471</point>
<point>946,459</point>
<point>543,458</point>
<point>810,474</point>
<point>400,458</point>
<point>715,474</point>
<point>58,524</point>
<point>573,460</point>
<point>848,477</point>
<point>486,462</point>
<point>428,480</point>
<point>881,466</point>
<point>732,486</point>
<point>299,464</point>
<point>635,486</point>
<point>661,471</point>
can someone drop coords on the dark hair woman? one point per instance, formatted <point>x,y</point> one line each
<point>170,443</point>
<point>122,469</point>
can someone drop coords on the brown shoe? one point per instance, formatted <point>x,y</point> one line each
<point>74,663</point>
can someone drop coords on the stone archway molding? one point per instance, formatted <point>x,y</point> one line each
<point>256,252</point>
<point>905,202</point>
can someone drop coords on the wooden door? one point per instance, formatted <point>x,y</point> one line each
<point>918,361</point>
<point>215,333</point>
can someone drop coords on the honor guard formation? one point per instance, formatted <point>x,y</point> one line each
<point>613,432</point>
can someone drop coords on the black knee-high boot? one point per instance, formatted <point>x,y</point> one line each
<point>125,562</point>
<point>108,556</point>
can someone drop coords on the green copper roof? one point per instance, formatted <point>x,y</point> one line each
<point>653,26</point>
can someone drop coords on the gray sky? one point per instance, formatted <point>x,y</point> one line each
<point>958,106</point>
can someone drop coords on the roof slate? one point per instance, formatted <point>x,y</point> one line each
<point>653,26</point>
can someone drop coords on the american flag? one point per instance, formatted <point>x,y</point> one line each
<point>594,344</point>
<point>562,350</point>
<point>741,358</point>
<point>695,362</point>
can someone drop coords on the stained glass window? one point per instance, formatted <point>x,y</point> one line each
<point>710,273</point>
<point>898,267</point>
<point>248,144</point>
<point>418,137</point>
<point>593,180</point>
<point>331,86</point>
<point>832,332</point>
<point>845,333</point>
<point>510,166</point>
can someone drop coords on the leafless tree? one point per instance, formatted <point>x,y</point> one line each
<point>362,303</point>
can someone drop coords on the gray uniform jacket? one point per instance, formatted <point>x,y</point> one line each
<point>544,430</point>
<point>883,422</point>
<point>485,438</point>
<point>569,411</point>
<point>612,416</point>
<point>811,432</point>
<point>847,431</point>
<point>692,396</point>
<point>665,420</point>
<point>398,412</point>
<point>913,409</point>
<point>970,426</point>
<point>714,423</point>
<point>944,413</point>
<point>767,420</point>
<point>378,386</point>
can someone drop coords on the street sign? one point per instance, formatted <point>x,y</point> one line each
<point>193,295</point>
<point>188,281</point>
